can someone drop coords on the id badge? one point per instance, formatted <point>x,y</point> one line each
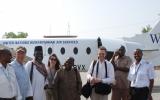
<point>131,77</point>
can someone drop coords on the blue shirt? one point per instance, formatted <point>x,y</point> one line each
<point>23,79</point>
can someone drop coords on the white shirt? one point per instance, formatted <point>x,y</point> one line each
<point>38,82</point>
<point>8,83</point>
<point>141,74</point>
<point>102,72</point>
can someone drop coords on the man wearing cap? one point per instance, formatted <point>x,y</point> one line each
<point>9,89</point>
<point>68,82</point>
<point>38,73</point>
<point>21,74</point>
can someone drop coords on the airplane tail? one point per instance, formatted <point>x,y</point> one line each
<point>151,43</point>
<point>156,29</point>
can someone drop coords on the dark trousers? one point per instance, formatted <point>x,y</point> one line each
<point>139,93</point>
<point>8,98</point>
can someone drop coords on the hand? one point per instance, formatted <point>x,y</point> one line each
<point>150,97</point>
<point>97,80</point>
<point>92,80</point>
<point>116,53</point>
<point>88,79</point>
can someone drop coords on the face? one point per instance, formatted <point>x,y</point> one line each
<point>8,57</point>
<point>38,56</point>
<point>53,60</point>
<point>66,64</point>
<point>121,51</point>
<point>20,55</point>
<point>138,55</point>
<point>101,54</point>
<point>69,63</point>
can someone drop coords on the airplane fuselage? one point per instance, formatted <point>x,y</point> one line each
<point>82,49</point>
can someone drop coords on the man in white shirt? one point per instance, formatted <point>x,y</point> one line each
<point>38,74</point>
<point>95,77</point>
<point>141,76</point>
<point>9,89</point>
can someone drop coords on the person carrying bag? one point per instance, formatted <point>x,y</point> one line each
<point>102,88</point>
<point>100,76</point>
<point>87,88</point>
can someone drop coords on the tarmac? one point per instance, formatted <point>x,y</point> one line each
<point>155,92</point>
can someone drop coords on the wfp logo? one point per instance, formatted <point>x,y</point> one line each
<point>155,38</point>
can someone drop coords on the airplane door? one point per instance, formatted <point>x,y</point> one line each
<point>109,55</point>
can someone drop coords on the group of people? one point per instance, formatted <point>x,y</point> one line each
<point>35,81</point>
<point>129,80</point>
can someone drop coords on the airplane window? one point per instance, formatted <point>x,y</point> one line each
<point>88,50</point>
<point>62,50</point>
<point>75,50</point>
<point>49,50</point>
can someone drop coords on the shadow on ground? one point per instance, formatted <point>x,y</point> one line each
<point>156,89</point>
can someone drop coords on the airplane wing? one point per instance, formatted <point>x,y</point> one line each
<point>150,50</point>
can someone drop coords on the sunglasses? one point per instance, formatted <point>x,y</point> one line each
<point>53,59</point>
<point>20,52</point>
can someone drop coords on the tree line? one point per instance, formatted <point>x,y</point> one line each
<point>15,35</point>
<point>145,29</point>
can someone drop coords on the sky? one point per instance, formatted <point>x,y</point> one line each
<point>85,18</point>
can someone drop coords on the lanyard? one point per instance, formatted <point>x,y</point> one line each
<point>136,72</point>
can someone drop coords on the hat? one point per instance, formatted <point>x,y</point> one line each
<point>38,48</point>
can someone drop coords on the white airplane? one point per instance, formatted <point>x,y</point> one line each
<point>84,50</point>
